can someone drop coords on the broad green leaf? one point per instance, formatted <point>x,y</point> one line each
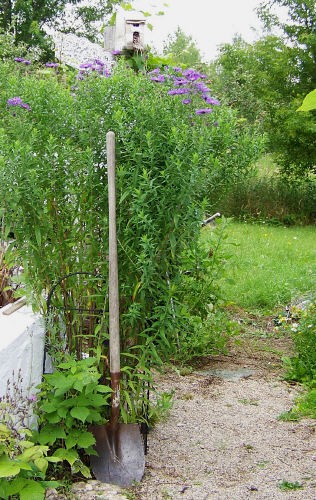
<point>50,433</point>
<point>34,452</point>
<point>41,463</point>
<point>4,430</point>
<point>80,413</point>
<point>104,389</point>
<point>70,455</point>
<point>309,102</point>
<point>34,490</point>
<point>54,460</point>
<point>127,6</point>
<point>15,485</point>
<point>8,467</point>
<point>26,444</point>
<point>80,438</point>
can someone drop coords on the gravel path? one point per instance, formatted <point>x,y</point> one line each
<point>223,439</point>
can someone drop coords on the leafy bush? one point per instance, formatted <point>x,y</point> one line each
<point>69,400</point>
<point>53,182</point>
<point>23,462</point>
<point>272,199</point>
<point>302,366</point>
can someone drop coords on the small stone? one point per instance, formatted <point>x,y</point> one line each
<point>253,488</point>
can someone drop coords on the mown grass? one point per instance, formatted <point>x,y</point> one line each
<point>269,266</point>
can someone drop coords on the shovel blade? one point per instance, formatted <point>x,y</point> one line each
<point>121,458</point>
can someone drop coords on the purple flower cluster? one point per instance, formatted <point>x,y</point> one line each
<point>182,90</point>
<point>97,66</point>
<point>17,101</point>
<point>22,60</point>
<point>189,82</point>
<point>51,65</point>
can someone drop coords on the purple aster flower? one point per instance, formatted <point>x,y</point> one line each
<point>211,100</point>
<point>116,52</point>
<point>179,91</point>
<point>26,62</point>
<point>202,87</point>
<point>192,75</point>
<point>87,65</point>
<point>177,70</point>
<point>186,101</point>
<point>180,81</point>
<point>33,398</point>
<point>14,101</point>
<point>203,111</point>
<point>51,65</point>
<point>17,101</point>
<point>19,59</point>
<point>154,71</point>
<point>106,72</point>
<point>99,62</point>
<point>158,78</point>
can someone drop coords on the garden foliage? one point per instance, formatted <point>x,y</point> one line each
<point>170,152</point>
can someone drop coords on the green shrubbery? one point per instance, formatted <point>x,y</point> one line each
<point>54,187</point>
<point>302,366</point>
<point>273,199</point>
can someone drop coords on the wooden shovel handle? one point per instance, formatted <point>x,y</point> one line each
<point>114,325</point>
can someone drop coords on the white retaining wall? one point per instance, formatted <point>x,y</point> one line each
<point>21,347</point>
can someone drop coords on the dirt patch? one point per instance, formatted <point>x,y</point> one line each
<point>223,439</point>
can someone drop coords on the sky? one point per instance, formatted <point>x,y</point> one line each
<point>209,22</point>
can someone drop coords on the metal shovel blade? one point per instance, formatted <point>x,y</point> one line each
<point>121,459</point>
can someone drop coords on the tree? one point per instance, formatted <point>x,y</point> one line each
<point>267,80</point>
<point>26,19</point>
<point>299,27</point>
<point>182,48</point>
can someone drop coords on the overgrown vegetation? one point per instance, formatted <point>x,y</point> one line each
<point>267,196</point>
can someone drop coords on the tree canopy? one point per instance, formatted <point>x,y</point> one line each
<point>182,48</point>
<point>266,82</point>
<point>26,19</point>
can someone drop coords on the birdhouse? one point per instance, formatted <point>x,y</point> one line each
<point>127,33</point>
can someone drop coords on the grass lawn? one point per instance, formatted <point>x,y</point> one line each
<point>270,266</point>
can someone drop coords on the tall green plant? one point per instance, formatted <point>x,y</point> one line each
<point>54,190</point>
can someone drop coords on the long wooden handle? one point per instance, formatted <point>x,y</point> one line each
<point>114,325</point>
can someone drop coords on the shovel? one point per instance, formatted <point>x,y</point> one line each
<point>120,447</point>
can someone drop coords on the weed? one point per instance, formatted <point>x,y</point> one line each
<point>252,402</point>
<point>288,485</point>
<point>187,397</point>
<point>248,447</point>
<point>262,464</point>
<point>289,416</point>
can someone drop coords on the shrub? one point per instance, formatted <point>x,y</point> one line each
<point>275,199</point>
<point>53,186</point>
